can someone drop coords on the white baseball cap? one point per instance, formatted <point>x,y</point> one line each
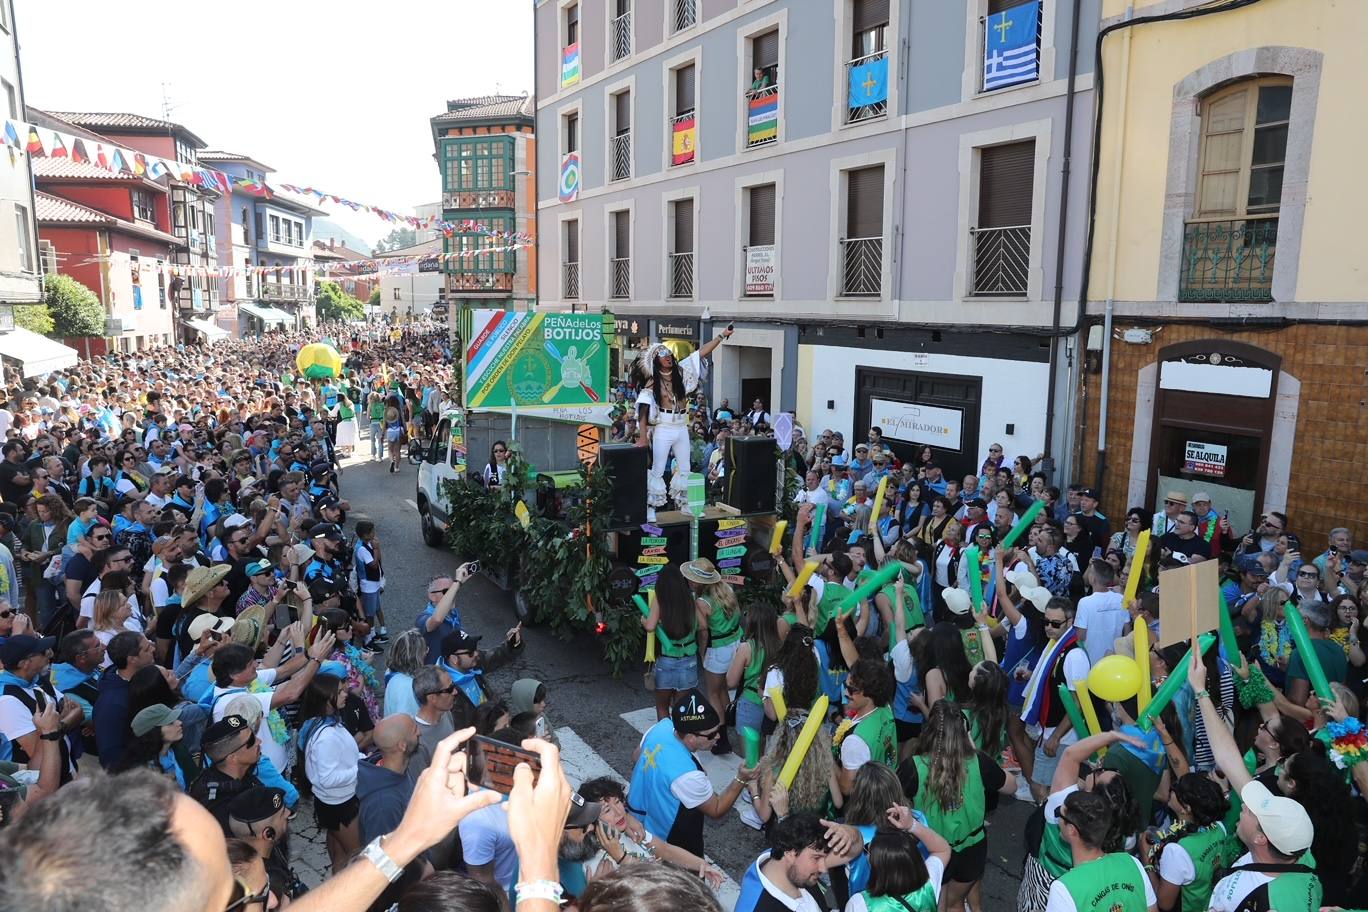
<point>1283,821</point>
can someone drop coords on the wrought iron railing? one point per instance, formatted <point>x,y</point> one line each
<point>620,156</point>
<point>570,286</point>
<point>685,14</point>
<point>1002,261</point>
<point>857,113</point>
<point>621,42</point>
<point>682,275</point>
<point>620,269</point>
<point>1229,260</point>
<point>861,266</point>
<point>272,291</point>
<point>762,137</point>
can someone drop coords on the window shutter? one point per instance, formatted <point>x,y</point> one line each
<point>684,89</point>
<point>761,216</point>
<point>572,241</point>
<point>572,133</point>
<point>997,6</point>
<point>870,14</point>
<point>683,225</point>
<point>765,52</point>
<point>622,105</point>
<point>622,235</point>
<point>864,210</point>
<point>1223,154</point>
<point>1005,177</point>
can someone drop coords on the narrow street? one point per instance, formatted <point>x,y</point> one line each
<point>598,719</point>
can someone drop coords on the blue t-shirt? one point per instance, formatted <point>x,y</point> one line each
<point>485,839</point>
<point>450,624</point>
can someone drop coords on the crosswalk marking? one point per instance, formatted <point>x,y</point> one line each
<point>582,763</point>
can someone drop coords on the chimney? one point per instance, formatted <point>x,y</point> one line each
<point>332,243</point>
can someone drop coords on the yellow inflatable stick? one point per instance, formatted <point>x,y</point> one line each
<point>777,540</point>
<point>1085,703</point>
<point>776,696</point>
<point>797,588</point>
<point>1142,648</point>
<point>1137,567</point>
<point>878,506</point>
<point>805,737</point>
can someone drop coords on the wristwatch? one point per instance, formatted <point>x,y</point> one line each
<point>376,856</point>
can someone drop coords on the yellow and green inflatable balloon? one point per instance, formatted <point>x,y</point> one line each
<point>319,359</point>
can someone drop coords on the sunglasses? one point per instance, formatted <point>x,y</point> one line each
<point>1312,575</point>
<point>1050,623</point>
<point>249,743</point>
<point>439,591</point>
<point>244,897</point>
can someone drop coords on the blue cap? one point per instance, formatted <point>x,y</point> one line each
<point>838,460</point>
<point>334,669</point>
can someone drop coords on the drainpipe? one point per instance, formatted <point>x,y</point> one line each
<point>1104,394</point>
<point>1055,340</point>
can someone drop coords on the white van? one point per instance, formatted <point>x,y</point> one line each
<point>444,460</point>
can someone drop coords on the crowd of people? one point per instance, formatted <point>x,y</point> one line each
<point>194,649</point>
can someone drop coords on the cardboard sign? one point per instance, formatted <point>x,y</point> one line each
<point>1189,594</point>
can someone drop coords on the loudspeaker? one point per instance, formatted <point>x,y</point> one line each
<point>752,464</point>
<point>626,464</point>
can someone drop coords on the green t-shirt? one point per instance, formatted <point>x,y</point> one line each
<point>1332,658</point>
<point>1112,883</point>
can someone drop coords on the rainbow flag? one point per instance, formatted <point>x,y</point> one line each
<point>685,140</point>
<point>570,65</point>
<point>763,123</point>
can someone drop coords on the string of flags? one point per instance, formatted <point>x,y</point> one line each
<point>428,262</point>
<point>36,141</point>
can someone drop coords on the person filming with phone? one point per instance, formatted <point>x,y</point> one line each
<point>440,617</point>
<point>467,664</point>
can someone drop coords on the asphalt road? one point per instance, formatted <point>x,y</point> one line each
<point>583,695</point>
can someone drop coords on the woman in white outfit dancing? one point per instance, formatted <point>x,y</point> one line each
<point>663,417</point>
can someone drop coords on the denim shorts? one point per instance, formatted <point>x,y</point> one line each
<point>370,603</point>
<point>749,715</point>
<point>676,673</point>
<point>718,658</point>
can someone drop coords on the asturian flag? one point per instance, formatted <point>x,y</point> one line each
<point>1011,52</point>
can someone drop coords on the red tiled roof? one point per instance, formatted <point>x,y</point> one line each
<point>50,208</point>
<point>99,121</point>
<point>66,168</point>
<point>484,107</point>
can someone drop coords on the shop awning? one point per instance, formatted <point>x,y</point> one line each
<point>266,313</point>
<point>211,331</point>
<point>36,354</point>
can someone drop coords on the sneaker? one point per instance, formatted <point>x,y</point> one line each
<point>380,639</point>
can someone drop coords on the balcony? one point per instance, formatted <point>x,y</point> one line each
<point>762,116</point>
<point>570,286</point>
<point>620,156</point>
<point>620,38</point>
<point>1229,261</point>
<point>1002,259</point>
<point>466,282</point>
<point>277,291</point>
<point>682,275</point>
<point>863,112</point>
<point>479,199</point>
<point>685,14</point>
<point>861,267</point>
<point>620,278</point>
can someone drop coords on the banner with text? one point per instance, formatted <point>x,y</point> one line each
<point>760,270</point>
<point>1207,459</point>
<point>916,423</point>
<point>535,361</point>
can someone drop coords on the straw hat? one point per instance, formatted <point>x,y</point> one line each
<point>201,580</point>
<point>700,571</point>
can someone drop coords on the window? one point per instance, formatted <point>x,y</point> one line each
<point>24,235</point>
<point>1001,241</point>
<point>570,274</point>
<point>572,132</point>
<point>142,206</point>
<point>11,98</point>
<point>684,123</point>
<point>195,218</point>
<point>681,258</point>
<point>289,232</point>
<point>209,223</point>
<point>620,143</point>
<point>477,164</point>
<point>867,72</point>
<point>862,247</point>
<point>620,30</point>
<point>473,242</point>
<point>47,257</point>
<point>685,15</point>
<point>178,215</point>
<point>1229,245</point>
<point>260,226</point>
<point>620,271</point>
<point>571,25</point>
<point>761,110</point>
<point>397,295</point>
<point>759,253</point>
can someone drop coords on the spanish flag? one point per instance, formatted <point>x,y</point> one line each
<point>685,140</point>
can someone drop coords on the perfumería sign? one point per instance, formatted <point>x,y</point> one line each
<point>677,329</point>
<point>916,423</point>
<point>1207,459</point>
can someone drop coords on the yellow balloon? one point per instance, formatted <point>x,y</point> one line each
<point>1115,678</point>
<point>318,360</point>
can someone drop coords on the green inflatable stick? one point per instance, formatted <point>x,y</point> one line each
<point>752,738</point>
<point>1176,679</point>
<point>971,555</point>
<point>642,606</point>
<point>876,582</point>
<point>1232,646</point>
<point>1310,661</point>
<point>818,522</point>
<point>1075,714</point>
<point>1023,524</point>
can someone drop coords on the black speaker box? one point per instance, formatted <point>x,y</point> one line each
<point>626,464</point>
<point>752,464</point>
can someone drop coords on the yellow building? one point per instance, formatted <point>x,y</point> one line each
<point>1225,350</point>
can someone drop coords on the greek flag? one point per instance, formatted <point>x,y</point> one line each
<point>1011,51</point>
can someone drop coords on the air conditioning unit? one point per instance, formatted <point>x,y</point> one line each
<point>117,326</point>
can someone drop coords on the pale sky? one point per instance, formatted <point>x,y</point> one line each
<point>334,95</point>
